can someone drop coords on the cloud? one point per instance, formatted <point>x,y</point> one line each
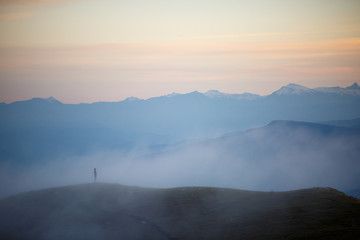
<point>164,68</point>
<point>237,36</point>
<point>151,56</point>
<point>255,161</point>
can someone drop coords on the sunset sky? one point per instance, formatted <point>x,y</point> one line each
<point>108,50</point>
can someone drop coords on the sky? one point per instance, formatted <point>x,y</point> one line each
<point>108,50</point>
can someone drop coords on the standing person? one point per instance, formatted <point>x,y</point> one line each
<point>95,175</point>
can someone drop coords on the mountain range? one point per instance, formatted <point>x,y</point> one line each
<point>77,128</point>
<point>191,115</point>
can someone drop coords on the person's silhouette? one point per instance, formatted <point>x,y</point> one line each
<point>95,175</point>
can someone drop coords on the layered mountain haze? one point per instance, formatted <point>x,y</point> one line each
<point>186,139</point>
<point>202,114</point>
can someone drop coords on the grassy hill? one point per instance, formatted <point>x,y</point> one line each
<point>113,211</point>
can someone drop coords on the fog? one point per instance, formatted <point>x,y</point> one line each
<point>273,158</point>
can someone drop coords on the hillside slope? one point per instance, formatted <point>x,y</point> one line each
<point>283,155</point>
<point>112,211</point>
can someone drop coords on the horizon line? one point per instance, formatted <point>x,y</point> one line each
<point>168,95</point>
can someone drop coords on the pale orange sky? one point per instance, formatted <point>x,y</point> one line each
<point>107,50</point>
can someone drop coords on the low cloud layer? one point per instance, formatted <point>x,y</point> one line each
<point>254,160</point>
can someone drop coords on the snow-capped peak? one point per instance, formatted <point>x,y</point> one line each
<point>293,89</point>
<point>214,93</point>
<point>353,90</point>
<point>354,86</point>
<point>172,94</point>
<point>246,96</point>
<point>51,100</point>
<point>132,99</point>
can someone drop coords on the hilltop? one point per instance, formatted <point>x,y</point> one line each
<point>113,211</point>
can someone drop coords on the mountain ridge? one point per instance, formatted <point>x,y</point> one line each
<point>109,211</point>
<point>201,116</point>
<point>288,90</point>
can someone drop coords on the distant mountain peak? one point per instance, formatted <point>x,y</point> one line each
<point>247,96</point>
<point>194,93</point>
<point>214,93</point>
<point>173,94</point>
<point>294,85</point>
<point>354,86</point>
<point>218,94</point>
<point>132,99</point>
<point>51,100</point>
<point>353,90</point>
<point>293,89</point>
